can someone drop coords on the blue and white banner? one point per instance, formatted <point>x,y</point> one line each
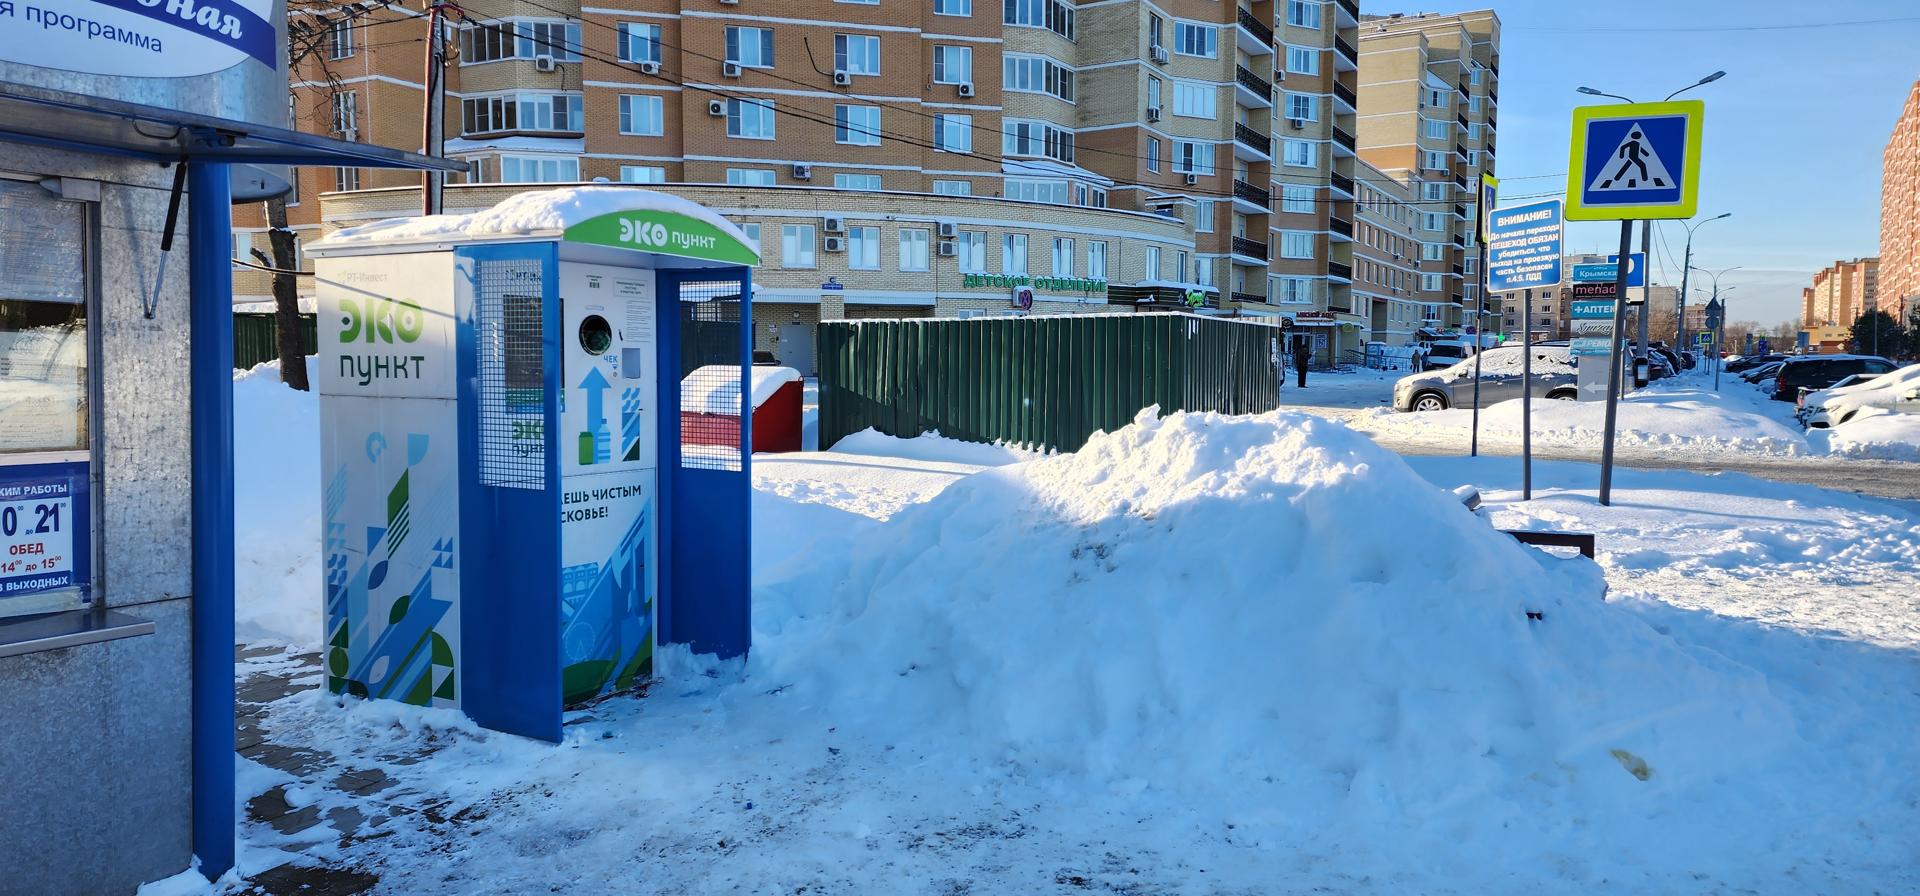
<point>44,536</point>
<point>139,38</point>
<point>1523,246</point>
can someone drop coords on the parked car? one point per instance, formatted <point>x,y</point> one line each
<point>1762,372</point>
<point>1748,362</point>
<point>1812,372</point>
<point>1441,355</point>
<point>1500,380</point>
<point>1898,391</point>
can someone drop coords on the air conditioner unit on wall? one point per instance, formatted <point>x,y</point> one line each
<point>835,244</point>
<point>1296,123</point>
<point>842,79</point>
<point>802,172</point>
<point>1160,55</point>
<point>1192,179</point>
<point>834,224</point>
<point>949,230</point>
<point>966,89</point>
<point>544,63</point>
<point>949,250</point>
<point>649,68</point>
<point>716,108</point>
<point>1153,113</point>
<point>730,69</point>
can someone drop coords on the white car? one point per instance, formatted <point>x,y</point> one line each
<point>1898,391</point>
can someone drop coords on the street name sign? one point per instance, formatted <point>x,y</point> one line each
<point>1634,161</point>
<point>1605,272</point>
<point>1523,246</point>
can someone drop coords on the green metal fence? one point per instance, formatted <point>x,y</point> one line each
<point>256,338</point>
<point>1047,382</point>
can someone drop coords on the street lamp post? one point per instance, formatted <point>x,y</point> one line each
<point>1686,266</point>
<point>1720,336</point>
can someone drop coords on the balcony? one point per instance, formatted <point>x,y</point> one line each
<point>1460,180</point>
<point>1344,96</point>
<point>1340,271</point>
<point>1460,209</point>
<point>1493,95</point>
<point>1245,297</point>
<point>1256,37</point>
<point>1253,251</point>
<point>1250,89</point>
<point>1340,228</point>
<point>1345,57</point>
<point>1462,119</point>
<point>1341,183</point>
<point>1343,142</point>
<point>1250,195</point>
<point>1460,271</point>
<point>1251,144</point>
<point>1351,11</point>
<point>1460,149</point>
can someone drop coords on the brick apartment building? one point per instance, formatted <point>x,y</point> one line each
<point>1899,276</point>
<point>1155,148</point>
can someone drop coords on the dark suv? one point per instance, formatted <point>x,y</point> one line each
<point>1820,371</point>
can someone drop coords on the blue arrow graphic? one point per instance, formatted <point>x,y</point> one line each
<point>596,385</point>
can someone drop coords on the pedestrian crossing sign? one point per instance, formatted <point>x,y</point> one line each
<point>1634,161</point>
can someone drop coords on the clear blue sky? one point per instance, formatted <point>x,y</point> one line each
<point>1794,131</point>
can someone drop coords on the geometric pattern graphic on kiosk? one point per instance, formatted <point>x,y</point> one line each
<point>392,615</point>
<point>606,604</point>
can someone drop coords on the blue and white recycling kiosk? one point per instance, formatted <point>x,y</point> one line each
<point>513,521</point>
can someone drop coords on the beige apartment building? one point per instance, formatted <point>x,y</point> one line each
<point>1386,267</point>
<point>1429,85</point>
<point>1899,276</point>
<point>1841,292</point>
<point>1222,134</point>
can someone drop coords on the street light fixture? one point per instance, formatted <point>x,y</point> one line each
<point>1686,265</point>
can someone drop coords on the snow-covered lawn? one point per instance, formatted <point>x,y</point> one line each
<point>1216,655</point>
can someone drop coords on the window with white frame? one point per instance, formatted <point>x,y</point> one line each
<point>1303,13</point>
<point>1437,97</point>
<point>1435,128</point>
<point>1473,103</point>
<point>340,39</point>
<point>856,125</point>
<point>1296,244</point>
<point>750,47</point>
<point>750,119</point>
<point>1062,257</point>
<point>913,249</point>
<point>952,133</point>
<point>1434,221</point>
<point>1153,93</point>
<point>1297,199</point>
<point>1027,137</point>
<point>1055,192</point>
<point>1430,282</point>
<point>1054,15</point>
<point>1292,290</point>
<point>1013,253</point>
<point>643,174</point>
<point>1024,73</point>
<point>1303,60</point>
<point>856,54</point>
<point>863,248</point>
<point>642,114</point>
<point>560,112</point>
<point>752,230</point>
<point>1097,259</point>
<point>856,181</point>
<point>539,170</point>
<point>639,42</point>
<point>1203,216</point>
<point>346,113</point>
<point>519,39</point>
<point>1473,158</point>
<point>1196,39</point>
<point>1153,154</point>
<point>953,7</point>
<point>345,179</point>
<point>1435,160</point>
<point>796,245</point>
<point>953,188</point>
<point>1153,263</point>
<point>1193,157</point>
<point>750,177</point>
<point>1298,153</point>
<point>1195,100</point>
<point>1434,191</point>
<point>1180,263</point>
<point>971,251</point>
<point>952,64</point>
<point>1302,107</point>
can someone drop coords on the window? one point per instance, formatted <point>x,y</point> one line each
<point>1153,263</point>
<point>1473,158</point>
<point>642,114</point>
<point>1435,129</point>
<point>953,187</point>
<point>639,42</point>
<point>1302,107</point>
<point>345,179</point>
<point>242,246</point>
<point>1025,137</point>
<point>1292,290</point>
<point>1433,191</point>
<point>952,133</point>
<point>1097,259</point>
<point>1203,216</point>
<point>953,7</point>
<point>1062,257</point>
<point>971,246</point>
<point>1195,100</point>
<point>750,119</point>
<point>856,54</point>
<point>1153,93</point>
<point>1179,263</point>
<point>856,125</point>
<point>1297,199</point>
<point>538,170</point>
<point>1193,157</point>
<point>1434,160</point>
<point>1156,31</point>
<point>1203,271</point>
<point>1303,60</point>
<point>43,326</point>
<point>522,112</point>
<point>1050,191</point>
<point>1299,153</point>
<point>1195,39</point>
<point>1013,253</point>
<point>1296,244</point>
<point>515,39</point>
<point>1433,221</point>
<point>1036,74</point>
<point>796,245</point>
<point>952,65</point>
<point>1054,15</point>
<point>1437,97</point>
<point>752,230</point>
<point>856,181</point>
<point>340,40</point>
<point>346,117</point>
<point>1473,102</point>
<point>1430,282</point>
<point>750,47</point>
<point>863,248</point>
<point>1153,154</point>
<point>643,174</point>
<point>750,177</point>
<point>913,249</point>
<point>1303,13</point>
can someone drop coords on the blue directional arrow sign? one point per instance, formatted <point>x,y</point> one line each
<point>1634,161</point>
<point>595,384</point>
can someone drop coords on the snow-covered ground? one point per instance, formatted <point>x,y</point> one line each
<point>1211,655</point>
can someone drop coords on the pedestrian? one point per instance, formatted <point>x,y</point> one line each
<point>1300,362</point>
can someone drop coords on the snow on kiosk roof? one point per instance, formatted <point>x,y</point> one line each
<point>592,218</point>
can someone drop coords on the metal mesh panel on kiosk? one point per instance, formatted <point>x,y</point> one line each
<point>512,363</point>
<point>710,376</point>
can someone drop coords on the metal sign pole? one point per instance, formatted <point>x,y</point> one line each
<point>1613,359</point>
<point>1526,397</point>
<point>1487,187</point>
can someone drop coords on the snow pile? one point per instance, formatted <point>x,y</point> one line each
<point>276,484</point>
<point>1269,608</point>
<point>536,212</point>
<point>933,446</point>
<point>1878,434</point>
